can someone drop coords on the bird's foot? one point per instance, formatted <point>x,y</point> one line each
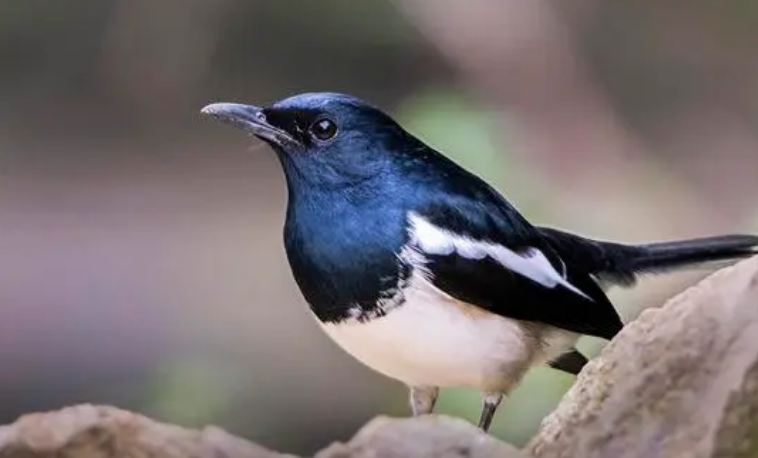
<point>490,404</point>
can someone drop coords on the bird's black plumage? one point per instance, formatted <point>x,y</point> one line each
<point>571,362</point>
<point>359,185</point>
<point>342,246</point>
<point>347,220</point>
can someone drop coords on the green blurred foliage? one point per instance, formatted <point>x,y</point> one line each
<point>194,392</point>
<point>457,127</point>
<point>475,137</point>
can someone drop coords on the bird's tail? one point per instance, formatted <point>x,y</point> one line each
<point>620,264</point>
<point>661,256</point>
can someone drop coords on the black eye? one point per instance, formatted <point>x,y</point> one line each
<point>323,129</point>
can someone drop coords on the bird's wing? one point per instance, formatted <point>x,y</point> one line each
<point>522,278</point>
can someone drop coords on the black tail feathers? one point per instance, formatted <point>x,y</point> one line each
<point>620,264</point>
<point>662,256</point>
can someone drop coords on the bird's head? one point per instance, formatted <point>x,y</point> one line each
<point>325,139</point>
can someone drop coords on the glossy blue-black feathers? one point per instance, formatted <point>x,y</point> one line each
<point>343,235</point>
<point>350,197</point>
<point>342,253</point>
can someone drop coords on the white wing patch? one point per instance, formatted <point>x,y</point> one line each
<point>531,264</point>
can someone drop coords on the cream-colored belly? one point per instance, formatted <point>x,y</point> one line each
<point>435,340</point>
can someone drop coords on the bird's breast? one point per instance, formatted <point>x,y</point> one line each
<point>433,339</point>
<point>342,259</point>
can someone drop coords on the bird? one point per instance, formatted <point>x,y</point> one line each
<point>424,272</point>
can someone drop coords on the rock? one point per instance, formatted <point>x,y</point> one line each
<point>424,437</point>
<point>680,381</point>
<point>87,431</point>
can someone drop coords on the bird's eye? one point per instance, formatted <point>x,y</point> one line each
<point>323,129</point>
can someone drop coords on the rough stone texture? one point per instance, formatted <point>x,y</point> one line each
<point>425,437</point>
<point>87,431</point>
<point>680,381</point>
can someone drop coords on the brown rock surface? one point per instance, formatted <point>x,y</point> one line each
<point>425,437</point>
<point>680,381</point>
<point>87,431</point>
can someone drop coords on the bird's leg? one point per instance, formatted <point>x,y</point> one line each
<point>491,401</point>
<point>423,399</point>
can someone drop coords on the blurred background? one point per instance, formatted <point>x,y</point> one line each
<point>141,260</point>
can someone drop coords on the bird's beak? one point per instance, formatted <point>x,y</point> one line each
<point>248,118</point>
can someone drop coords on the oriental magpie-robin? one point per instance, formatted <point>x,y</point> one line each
<point>425,273</point>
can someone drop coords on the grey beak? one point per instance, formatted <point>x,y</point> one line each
<point>248,118</point>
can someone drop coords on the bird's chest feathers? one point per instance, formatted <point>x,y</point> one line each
<point>344,258</point>
<point>433,339</point>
